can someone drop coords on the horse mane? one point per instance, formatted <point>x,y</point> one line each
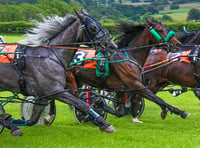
<point>129,32</point>
<point>186,37</point>
<point>46,29</point>
<point>190,38</point>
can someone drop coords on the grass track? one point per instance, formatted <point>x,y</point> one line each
<point>65,132</point>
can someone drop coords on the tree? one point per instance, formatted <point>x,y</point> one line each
<point>174,6</point>
<point>167,18</point>
<point>194,14</point>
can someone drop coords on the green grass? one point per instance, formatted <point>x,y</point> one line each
<point>12,37</point>
<point>174,11</point>
<point>178,14</point>
<point>155,132</point>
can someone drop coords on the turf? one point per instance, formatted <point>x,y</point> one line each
<point>155,132</point>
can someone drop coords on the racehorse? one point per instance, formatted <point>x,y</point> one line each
<point>189,38</point>
<point>125,65</point>
<point>185,74</point>
<point>40,69</point>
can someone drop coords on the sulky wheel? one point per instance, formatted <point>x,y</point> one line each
<point>196,91</point>
<point>116,105</point>
<point>47,116</point>
<point>138,107</point>
<point>92,99</point>
<point>1,112</point>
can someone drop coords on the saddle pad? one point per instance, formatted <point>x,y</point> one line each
<point>83,58</point>
<point>6,48</point>
<point>155,50</point>
<point>84,54</point>
<point>182,56</point>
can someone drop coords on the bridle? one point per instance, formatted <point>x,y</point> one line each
<point>93,37</point>
<point>161,39</point>
<point>158,37</point>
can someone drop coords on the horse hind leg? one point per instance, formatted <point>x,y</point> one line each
<point>38,107</point>
<point>37,110</point>
<point>83,107</point>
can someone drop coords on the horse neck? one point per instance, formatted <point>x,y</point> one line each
<point>142,40</point>
<point>68,35</point>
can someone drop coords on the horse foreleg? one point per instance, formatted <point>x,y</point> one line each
<point>85,109</point>
<point>164,106</point>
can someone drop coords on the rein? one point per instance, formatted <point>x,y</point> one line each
<point>160,64</point>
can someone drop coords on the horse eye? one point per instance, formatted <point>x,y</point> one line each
<point>93,28</point>
<point>160,31</point>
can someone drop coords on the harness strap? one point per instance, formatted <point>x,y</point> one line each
<point>196,75</point>
<point>194,58</point>
<point>19,65</point>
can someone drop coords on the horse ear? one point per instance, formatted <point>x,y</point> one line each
<point>83,11</point>
<point>148,21</point>
<point>80,15</point>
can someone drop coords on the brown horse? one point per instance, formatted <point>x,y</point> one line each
<point>126,65</point>
<point>185,74</point>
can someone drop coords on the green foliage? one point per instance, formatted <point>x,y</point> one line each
<point>143,18</point>
<point>18,26</point>
<point>22,26</point>
<point>174,6</point>
<point>118,11</point>
<point>26,11</point>
<point>194,14</point>
<point>166,18</point>
<point>178,26</point>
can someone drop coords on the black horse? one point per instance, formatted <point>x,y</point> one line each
<point>40,71</point>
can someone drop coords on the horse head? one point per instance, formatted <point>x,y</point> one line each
<point>95,33</point>
<point>159,33</point>
<point>70,30</point>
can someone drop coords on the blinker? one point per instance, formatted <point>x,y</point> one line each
<point>159,38</point>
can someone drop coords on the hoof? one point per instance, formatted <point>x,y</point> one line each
<point>109,129</point>
<point>135,120</point>
<point>47,120</point>
<point>185,115</point>
<point>16,133</point>
<point>164,114</point>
